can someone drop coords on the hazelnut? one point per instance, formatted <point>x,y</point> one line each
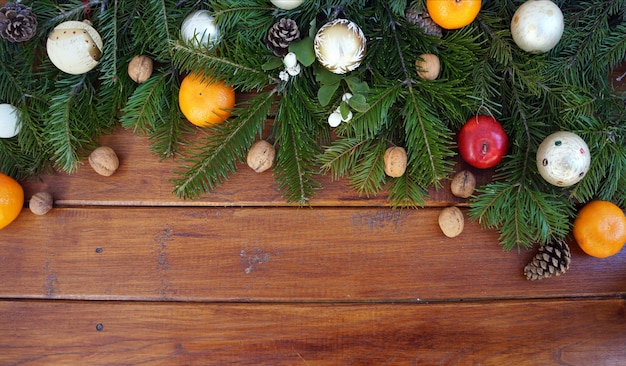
<point>451,221</point>
<point>40,203</point>
<point>104,161</point>
<point>428,66</point>
<point>395,160</point>
<point>261,156</point>
<point>140,68</point>
<point>463,184</point>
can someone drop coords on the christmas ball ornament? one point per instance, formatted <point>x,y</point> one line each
<point>104,161</point>
<point>563,159</point>
<point>261,156</point>
<point>200,28</point>
<point>340,46</point>
<point>74,47</point>
<point>482,142</point>
<point>286,4</point>
<point>428,66</point>
<point>395,160</point>
<point>537,26</point>
<point>140,68</point>
<point>9,121</point>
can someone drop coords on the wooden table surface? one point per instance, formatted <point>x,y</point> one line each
<point>121,272</point>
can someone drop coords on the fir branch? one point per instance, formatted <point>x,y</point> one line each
<point>341,156</point>
<point>224,145</point>
<point>406,192</point>
<point>368,174</point>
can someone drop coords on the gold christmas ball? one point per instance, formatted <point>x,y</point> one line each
<point>287,4</point>
<point>10,124</point>
<point>428,66</point>
<point>340,46</point>
<point>74,47</point>
<point>563,159</point>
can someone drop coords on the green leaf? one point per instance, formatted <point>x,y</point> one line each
<point>358,103</point>
<point>357,86</point>
<point>272,63</point>
<point>326,77</point>
<point>344,108</point>
<point>304,51</point>
<point>325,93</point>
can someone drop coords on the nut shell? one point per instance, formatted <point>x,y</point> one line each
<point>451,221</point>
<point>463,184</point>
<point>261,156</point>
<point>428,66</point>
<point>140,68</point>
<point>104,161</point>
<point>395,160</point>
<point>40,203</point>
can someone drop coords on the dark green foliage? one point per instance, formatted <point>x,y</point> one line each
<point>483,71</point>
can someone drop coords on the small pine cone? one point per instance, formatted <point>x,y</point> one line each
<point>423,20</point>
<point>17,22</point>
<point>280,35</point>
<point>552,259</point>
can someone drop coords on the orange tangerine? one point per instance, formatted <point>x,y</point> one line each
<point>205,101</point>
<point>11,200</point>
<point>600,228</point>
<point>453,14</point>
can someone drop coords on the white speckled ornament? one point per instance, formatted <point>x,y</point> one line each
<point>74,47</point>
<point>200,27</point>
<point>287,4</point>
<point>9,121</point>
<point>537,26</point>
<point>563,159</point>
<point>340,46</point>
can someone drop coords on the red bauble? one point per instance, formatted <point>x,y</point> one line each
<point>482,142</point>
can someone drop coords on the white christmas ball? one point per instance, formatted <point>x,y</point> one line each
<point>340,46</point>
<point>537,26</point>
<point>74,47</point>
<point>287,4</point>
<point>9,121</point>
<point>200,28</point>
<point>563,159</point>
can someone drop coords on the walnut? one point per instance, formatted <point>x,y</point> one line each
<point>104,161</point>
<point>451,221</point>
<point>428,66</point>
<point>463,184</point>
<point>395,160</point>
<point>140,68</point>
<point>261,156</point>
<point>40,203</point>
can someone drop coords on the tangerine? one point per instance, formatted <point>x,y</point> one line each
<point>600,228</point>
<point>205,101</point>
<point>11,200</point>
<point>453,14</point>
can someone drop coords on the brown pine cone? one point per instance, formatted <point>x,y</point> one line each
<point>280,35</point>
<point>17,22</point>
<point>553,258</point>
<point>423,20</point>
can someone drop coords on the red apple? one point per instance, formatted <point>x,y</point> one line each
<point>482,142</point>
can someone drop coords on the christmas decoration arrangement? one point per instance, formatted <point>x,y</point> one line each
<point>382,93</point>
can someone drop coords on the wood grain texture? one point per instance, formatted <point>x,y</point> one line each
<point>274,254</point>
<point>584,332</point>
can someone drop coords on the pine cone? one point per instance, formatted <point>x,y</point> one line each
<point>423,20</point>
<point>280,35</point>
<point>552,259</point>
<point>17,22</point>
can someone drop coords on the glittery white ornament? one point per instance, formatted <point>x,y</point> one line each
<point>340,46</point>
<point>10,124</point>
<point>287,4</point>
<point>563,159</point>
<point>74,47</point>
<point>200,27</point>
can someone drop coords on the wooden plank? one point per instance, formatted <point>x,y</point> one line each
<point>274,254</point>
<point>143,179</point>
<point>583,332</point>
